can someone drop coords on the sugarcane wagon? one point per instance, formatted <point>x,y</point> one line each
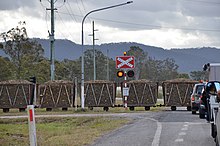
<point>100,93</point>
<point>177,93</point>
<point>56,94</point>
<point>15,94</point>
<point>142,93</point>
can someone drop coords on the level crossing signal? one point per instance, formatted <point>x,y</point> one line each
<point>121,73</point>
<point>125,63</point>
<point>130,73</point>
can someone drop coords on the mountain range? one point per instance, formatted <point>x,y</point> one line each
<point>188,59</point>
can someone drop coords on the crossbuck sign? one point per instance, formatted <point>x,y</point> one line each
<point>125,62</point>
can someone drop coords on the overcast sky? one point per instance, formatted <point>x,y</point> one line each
<point>161,23</point>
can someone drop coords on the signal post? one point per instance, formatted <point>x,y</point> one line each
<point>124,63</point>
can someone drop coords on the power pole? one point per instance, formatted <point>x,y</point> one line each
<point>107,65</point>
<point>52,40</point>
<point>93,46</point>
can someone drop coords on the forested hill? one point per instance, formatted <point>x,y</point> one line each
<point>188,59</point>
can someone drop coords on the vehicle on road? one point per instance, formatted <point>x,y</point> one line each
<point>208,99</point>
<point>196,96</point>
<point>217,137</point>
<point>210,104</point>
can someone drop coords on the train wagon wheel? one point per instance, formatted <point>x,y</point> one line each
<point>90,108</point>
<point>131,108</point>
<point>105,108</point>
<point>173,108</point>
<point>48,109</point>
<point>5,110</point>
<point>147,108</point>
<point>64,109</point>
<point>21,109</point>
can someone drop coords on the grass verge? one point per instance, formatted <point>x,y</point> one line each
<point>58,131</point>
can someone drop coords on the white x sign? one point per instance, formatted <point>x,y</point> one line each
<point>124,62</point>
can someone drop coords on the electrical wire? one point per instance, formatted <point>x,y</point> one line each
<point>79,7</point>
<point>83,6</point>
<point>72,16</point>
<point>61,5</point>
<point>46,19</point>
<point>205,2</point>
<point>46,15</point>
<point>63,24</point>
<point>147,25</point>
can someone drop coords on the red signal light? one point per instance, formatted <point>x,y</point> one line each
<point>130,73</point>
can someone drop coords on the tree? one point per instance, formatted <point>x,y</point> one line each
<point>21,50</point>
<point>160,70</point>
<point>199,75</point>
<point>68,69</point>
<point>101,65</point>
<point>170,69</point>
<point>183,75</point>
<point>6,69</point>
<point>153,69</point>
<point>140,58</point>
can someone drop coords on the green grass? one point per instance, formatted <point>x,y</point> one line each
<point>58,131</point>
<point>62,131</point>
<point>96,110</point>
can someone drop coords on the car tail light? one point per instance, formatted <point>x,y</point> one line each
<point>193,98</point>
<point>201,102</point>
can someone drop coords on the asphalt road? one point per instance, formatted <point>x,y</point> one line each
<point>167,128</point>
<point>164,128</point>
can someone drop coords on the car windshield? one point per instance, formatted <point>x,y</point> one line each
<point>217,86</point>
<point>199,89</point>
<point>213,87</point>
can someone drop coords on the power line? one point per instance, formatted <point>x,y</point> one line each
<point>149,26</point>
<point>72,16</point>
<point>157,26</point>
<point>46,14</point>
<point>79,7</point>
<point>63,24</point>
<point>205,2</point>
<point>83,6</point>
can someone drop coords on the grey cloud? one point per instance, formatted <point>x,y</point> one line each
<point>16,4</point>
<point>172,13</point>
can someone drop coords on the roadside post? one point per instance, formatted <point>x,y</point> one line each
<point>76,94</point>
<point>31,115</point>
<point>125,63</point>
<point>125,91</point>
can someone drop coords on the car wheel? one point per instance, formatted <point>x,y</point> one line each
<point>189,108</point>
<point>213,130</point>
<point>216,141</point>
<point>193,112</point>
<point>201,116</point>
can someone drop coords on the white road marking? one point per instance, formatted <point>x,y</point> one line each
<point>179,140</point>
<point>184,128</point>
<point>156,140</point>
<point>182,133</point>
